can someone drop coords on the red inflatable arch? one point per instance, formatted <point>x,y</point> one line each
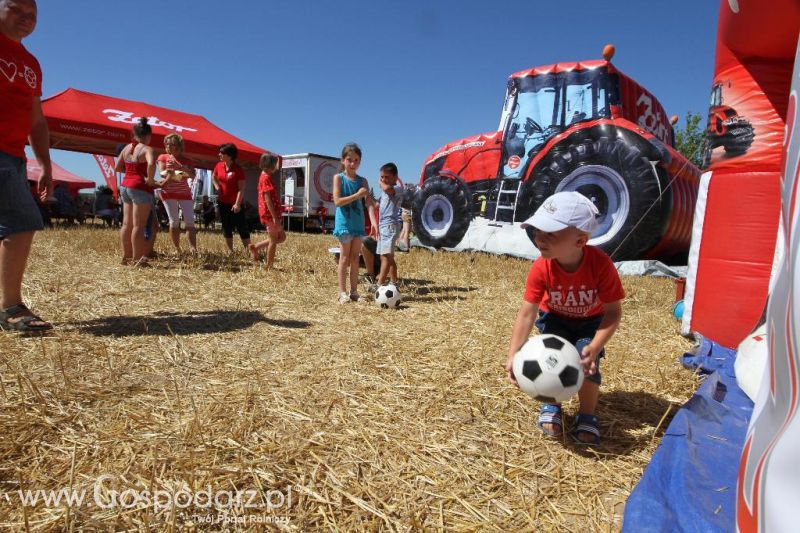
<point>736,220</point>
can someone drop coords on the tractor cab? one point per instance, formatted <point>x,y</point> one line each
<point>716,95</point>
<point>540,106</point>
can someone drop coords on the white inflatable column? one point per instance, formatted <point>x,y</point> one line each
<point>769,472</point>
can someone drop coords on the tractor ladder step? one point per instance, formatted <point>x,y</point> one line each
<point>507,198</point>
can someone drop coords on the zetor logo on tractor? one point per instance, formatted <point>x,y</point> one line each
<point>570,126</point>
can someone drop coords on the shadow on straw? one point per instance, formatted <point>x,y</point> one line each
<point>439,290</point>
<point>165,323</point>
<point>413,282</point>
<point>628,420</point>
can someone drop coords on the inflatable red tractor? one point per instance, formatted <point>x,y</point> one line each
<point>726,128</point>
<point>570,126</point>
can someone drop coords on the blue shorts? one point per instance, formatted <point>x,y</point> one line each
<point>344,238</point>
<point>18,210</point>
<point>135,196</point>
<point>387,238</point>
<point>578,332</point>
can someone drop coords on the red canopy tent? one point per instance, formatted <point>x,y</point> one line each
<point>86,122</point>
<point>60,175</point>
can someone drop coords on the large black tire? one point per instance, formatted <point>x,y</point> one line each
<point>441,212</point>
<point>739,139</point>
<point>613,170</point>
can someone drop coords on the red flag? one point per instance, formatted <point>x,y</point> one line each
<point>106,164</point>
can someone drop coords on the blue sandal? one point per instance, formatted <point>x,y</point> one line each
<point>586,425</point>
<point>550,414</point>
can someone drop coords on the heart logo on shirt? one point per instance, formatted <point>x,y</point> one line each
<point>8,69</point>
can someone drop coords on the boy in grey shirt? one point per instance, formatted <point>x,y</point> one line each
<point>389,222</point>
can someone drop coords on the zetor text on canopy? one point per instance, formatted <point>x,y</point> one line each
<point>580,126</point>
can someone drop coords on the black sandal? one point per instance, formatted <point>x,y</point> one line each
<point>24,322</point>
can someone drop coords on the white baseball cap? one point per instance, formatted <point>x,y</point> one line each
<point>563,210</point>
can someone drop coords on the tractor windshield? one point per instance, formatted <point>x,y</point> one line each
<point>539,107</point>
<point>716,96</point>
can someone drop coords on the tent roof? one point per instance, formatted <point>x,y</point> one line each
<point>59,175</point>
<point>86,122</point>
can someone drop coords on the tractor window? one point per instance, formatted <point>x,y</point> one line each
<point>582,102</point>
<point>716,96</point>
<point>529,124</point>
<point>545,105</point>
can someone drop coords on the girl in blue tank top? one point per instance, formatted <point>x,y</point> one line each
<point>350,194</point>
<point>350,217</point>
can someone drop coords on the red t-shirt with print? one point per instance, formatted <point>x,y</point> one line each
<point>228,182</point>
<point>580,294</point>
<point>20,84</point>
<point>177,190</point>
<point>266,185</point>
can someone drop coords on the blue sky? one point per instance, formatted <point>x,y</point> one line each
<point>399,78</point>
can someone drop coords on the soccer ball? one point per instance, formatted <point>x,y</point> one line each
<point>548,368</point>
<point>388,296</point>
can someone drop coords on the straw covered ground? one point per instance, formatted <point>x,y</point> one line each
<point>208,381</point>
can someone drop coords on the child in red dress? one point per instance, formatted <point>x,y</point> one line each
<point>268,209</point>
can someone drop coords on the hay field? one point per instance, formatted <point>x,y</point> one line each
<point>209,374</point>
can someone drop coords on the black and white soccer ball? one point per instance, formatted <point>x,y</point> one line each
<point>548,368</point>
<point>387,296</point>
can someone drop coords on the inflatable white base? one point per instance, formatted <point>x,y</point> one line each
<point>501,238</point>
<point>751,361</point>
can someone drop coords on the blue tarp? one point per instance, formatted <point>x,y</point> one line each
<point>690,483</point>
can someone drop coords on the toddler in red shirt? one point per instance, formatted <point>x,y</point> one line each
<point>576,292</point>
<point>268,209</point>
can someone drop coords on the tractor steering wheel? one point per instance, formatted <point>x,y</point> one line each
<point>531,127</point>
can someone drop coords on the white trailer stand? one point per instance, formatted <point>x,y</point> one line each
<point>307,183</point>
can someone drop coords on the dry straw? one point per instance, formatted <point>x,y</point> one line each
<point>209,372</point>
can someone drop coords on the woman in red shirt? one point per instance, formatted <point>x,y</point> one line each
<point>138,161</point>
<point>176,169</point>
<point>228,179</point>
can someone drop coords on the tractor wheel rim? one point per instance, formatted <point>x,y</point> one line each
<point>609,192</point>
<point>437,215</point>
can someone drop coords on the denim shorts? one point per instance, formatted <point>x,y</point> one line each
<point>344,238</point>
<point>135,196</point>
<point>19,212</point>
<point>387,238</point>
<point>578,332</point>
